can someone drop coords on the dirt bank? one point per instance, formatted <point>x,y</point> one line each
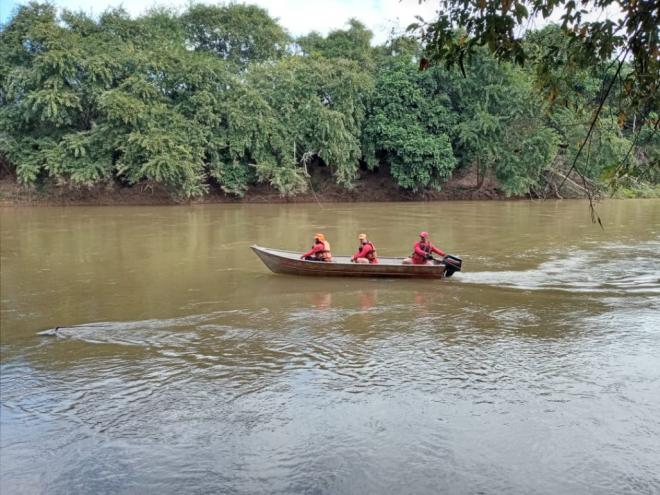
<point>370,186</point>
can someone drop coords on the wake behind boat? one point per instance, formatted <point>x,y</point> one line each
<point>280,261</point>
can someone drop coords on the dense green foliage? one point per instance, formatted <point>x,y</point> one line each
<point>622,35</point>
<point>222,97</point>
<point>408,127</point>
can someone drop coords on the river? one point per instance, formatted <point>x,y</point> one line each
<point>182,365</point>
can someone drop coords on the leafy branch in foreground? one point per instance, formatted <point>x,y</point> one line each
<point>628,37</point>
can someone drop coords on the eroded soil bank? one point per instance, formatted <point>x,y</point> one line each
<point>378,186</point>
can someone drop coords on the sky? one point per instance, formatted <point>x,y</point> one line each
<point>297,16</point>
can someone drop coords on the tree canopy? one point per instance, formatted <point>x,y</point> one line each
<point>222,97</point>
<point>618,47</point>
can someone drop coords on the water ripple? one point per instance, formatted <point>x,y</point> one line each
<point>542,380</point>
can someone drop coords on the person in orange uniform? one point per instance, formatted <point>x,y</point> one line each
<point>366,251</point>
<point>423,251</point>
<point>320,250</point>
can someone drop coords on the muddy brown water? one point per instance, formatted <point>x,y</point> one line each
<point>182,365</point>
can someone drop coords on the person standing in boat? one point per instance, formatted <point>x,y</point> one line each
<point>423,251</point>
<point>320,250</point>
<point>366,252</point>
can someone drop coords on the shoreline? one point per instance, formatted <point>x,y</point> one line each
<point>371,187</point>
<point>13,195</point>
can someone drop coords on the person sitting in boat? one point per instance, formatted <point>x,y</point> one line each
<point>320,250</point>
<point>366,252</point>
<point>423,251</point>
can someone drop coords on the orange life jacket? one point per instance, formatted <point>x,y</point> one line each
<point>324,255</point>
<point>371,255</point>
<point>427,248</point>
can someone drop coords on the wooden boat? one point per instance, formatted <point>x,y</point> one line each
<point>280,261</point>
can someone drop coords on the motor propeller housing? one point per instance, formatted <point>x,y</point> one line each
<point>452,264</point>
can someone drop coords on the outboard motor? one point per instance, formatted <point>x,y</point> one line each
<point>452,264</point>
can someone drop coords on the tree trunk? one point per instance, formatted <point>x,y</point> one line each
<point>480,175</point>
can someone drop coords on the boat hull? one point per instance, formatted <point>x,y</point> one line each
<point>289,262</point>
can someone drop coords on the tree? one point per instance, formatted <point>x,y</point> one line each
<point>407,129</point>
<point>239,34</point>
<point>209,98</point>
<point>83,106</point>
<point>50,85</point>
<point>632,39</point>
<point>574,92</point>
<point>499,25</point>
<point>403,47</point>
<point>352,43</point>
<point>500,125</point>
<point>320,106</point>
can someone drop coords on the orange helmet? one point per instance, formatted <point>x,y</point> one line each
<point>362,237</point>
<point>320,237</point>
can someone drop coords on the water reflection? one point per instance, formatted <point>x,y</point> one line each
<point>362,299</point>
<point>321,300</point>
<point>427,301</point>
<point>367,299</point>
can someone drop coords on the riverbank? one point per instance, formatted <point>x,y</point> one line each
<point>377,186</point>
<point>370,187</point>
